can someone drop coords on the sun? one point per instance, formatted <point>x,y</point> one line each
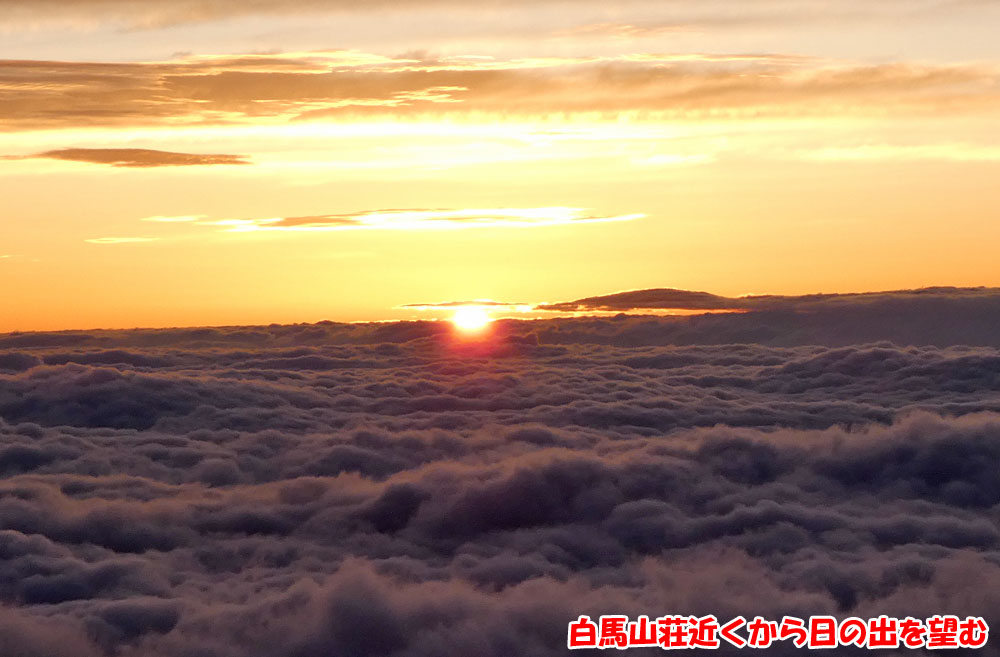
<point>471,319</point>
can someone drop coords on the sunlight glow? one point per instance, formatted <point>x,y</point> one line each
<point>471,319</point>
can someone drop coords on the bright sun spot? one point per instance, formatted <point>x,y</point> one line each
<point>470,318</point>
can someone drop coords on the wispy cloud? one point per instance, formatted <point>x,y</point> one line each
<point>348,85</point>
<point>138,157</point>
<point>624,30</point>
<point>425,219</point>
<point>120,240</point>
<point>474,303</point>
<point>160,13</point>
<point>175,220</point>
<point>957,152</point>
<point>18,257</point>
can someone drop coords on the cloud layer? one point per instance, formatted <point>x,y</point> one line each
<point>388,489</point>
<point>721,13</point>
<point>350,85</point>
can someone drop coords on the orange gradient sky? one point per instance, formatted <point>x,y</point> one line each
<point>190,163</point>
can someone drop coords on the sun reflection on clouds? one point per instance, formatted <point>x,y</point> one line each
<point>424,219</point>
<point>475,314</point>
<point>120,240</point>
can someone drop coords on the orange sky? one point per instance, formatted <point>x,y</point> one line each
<point>183,163</point>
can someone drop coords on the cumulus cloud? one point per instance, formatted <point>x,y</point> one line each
<point>138,157</point>
<point>385,489</point>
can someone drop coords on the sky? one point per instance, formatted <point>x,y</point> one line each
<point>218,163</point>
<point>724,332</point>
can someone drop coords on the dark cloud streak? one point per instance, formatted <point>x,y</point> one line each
<point>138,157</point>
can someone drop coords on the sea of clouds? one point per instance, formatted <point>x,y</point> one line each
<point>393,490</point>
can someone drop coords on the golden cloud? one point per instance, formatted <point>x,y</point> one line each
<point>429,219</point>
<point>351,86</point>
